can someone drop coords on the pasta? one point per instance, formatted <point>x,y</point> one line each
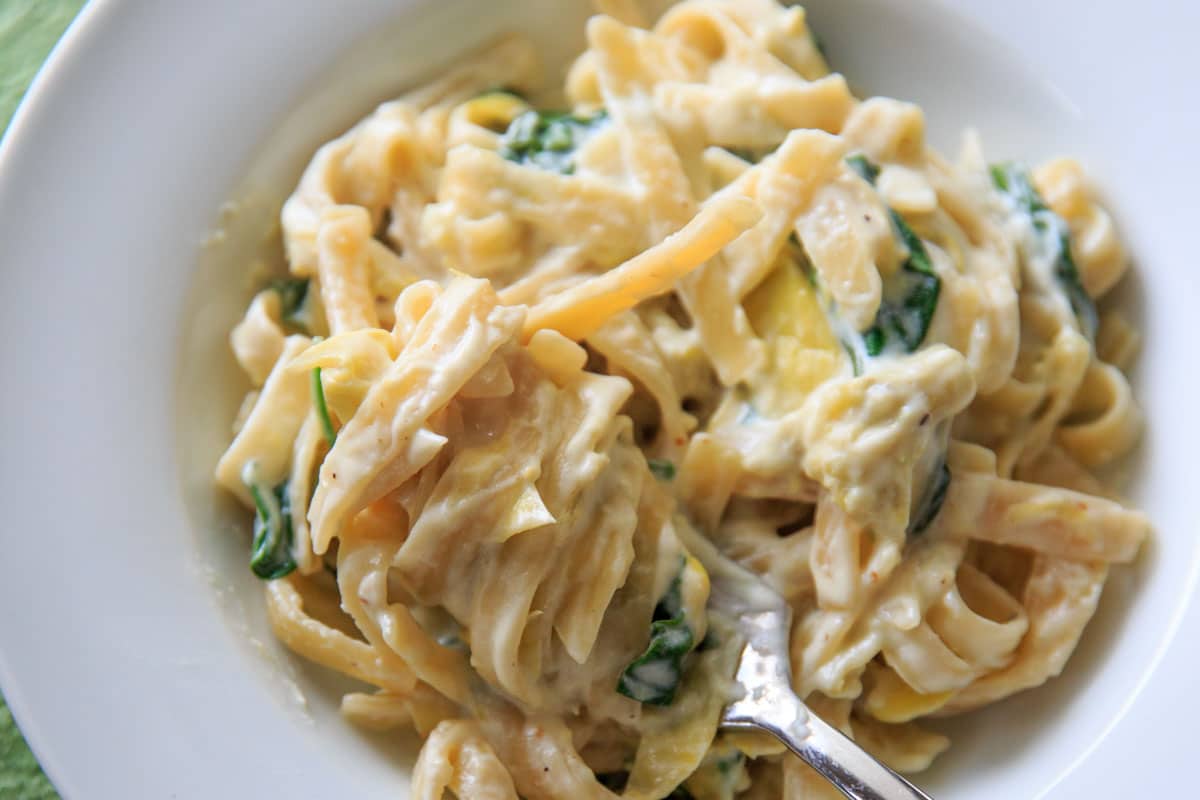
<point>528,361</point>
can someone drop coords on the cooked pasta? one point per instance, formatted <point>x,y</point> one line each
<point>527,359</point>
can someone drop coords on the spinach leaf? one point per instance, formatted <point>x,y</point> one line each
<point>318,394</point>
<point>863,166</point>
<point>931,500</point>
<point>910,294</point>
<point>663,470</point>
<point>271,547</point>
<point>856,365</point>
<point>548,139</point>
<point>910,297</point>
<point>293,300</point>
<point>670,605</point>
<point>653,677</point>
<point>1053,239</point>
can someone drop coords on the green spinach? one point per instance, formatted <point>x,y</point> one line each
<point>863,166</point>
<point>1053,239</point>
<point>318,395</point>
<point>548,139</point>
<point>910,294</point>
<point>271,547</point>
<point>663,470</point>
<point>653,677</point>
<point>931,500</point>
<point>293,300</point>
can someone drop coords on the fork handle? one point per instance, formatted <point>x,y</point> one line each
<point>854,772</point>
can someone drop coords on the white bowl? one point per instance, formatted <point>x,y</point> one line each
<point>133,648</point>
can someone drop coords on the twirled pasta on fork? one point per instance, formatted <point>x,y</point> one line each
<point>527,359</point>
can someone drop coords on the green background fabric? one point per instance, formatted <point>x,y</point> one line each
<point>20,776</point>
<point>28,29</point>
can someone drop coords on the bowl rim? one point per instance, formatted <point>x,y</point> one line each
<point>91,28</point>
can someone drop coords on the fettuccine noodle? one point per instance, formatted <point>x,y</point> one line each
<point>524,357</point>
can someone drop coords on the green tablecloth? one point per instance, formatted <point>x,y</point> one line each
<point>28,29</point>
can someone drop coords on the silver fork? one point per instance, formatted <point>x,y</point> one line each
<point>768,704</point>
